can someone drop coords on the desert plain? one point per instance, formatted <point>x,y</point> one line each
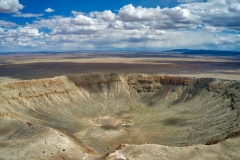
<point>26,66</point>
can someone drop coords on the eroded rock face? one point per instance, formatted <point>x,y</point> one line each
<point>96,113</point>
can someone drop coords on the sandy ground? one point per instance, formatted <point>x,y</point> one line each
<point>15,67</point>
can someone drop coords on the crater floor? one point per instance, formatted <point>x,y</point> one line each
<point>90,116</point>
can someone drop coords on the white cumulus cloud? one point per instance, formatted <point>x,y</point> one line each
<point>235,7</point>
<point>189,1</point>
<point>9,6</point>
<point>223,14</point>
<point>7,24</point>
<point>105,15</point>
<point>49,10</point>
<point>129,13</point>
<point>75,13</point>
<point>26,15</point>
<point>166,18</point>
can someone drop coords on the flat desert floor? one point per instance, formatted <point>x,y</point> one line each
<point>119,116</point>
<point>26,66</point>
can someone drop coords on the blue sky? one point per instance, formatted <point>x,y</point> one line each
<point>58,25</point>
<point>65,7</point>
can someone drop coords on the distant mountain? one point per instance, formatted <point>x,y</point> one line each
<point>205,52</point>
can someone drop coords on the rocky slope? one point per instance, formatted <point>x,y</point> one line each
<point>88,116</point>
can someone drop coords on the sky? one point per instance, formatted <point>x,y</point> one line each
<point>71,25</point>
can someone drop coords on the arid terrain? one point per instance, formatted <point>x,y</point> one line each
<point>147,107</point>
<point>26,66</point>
